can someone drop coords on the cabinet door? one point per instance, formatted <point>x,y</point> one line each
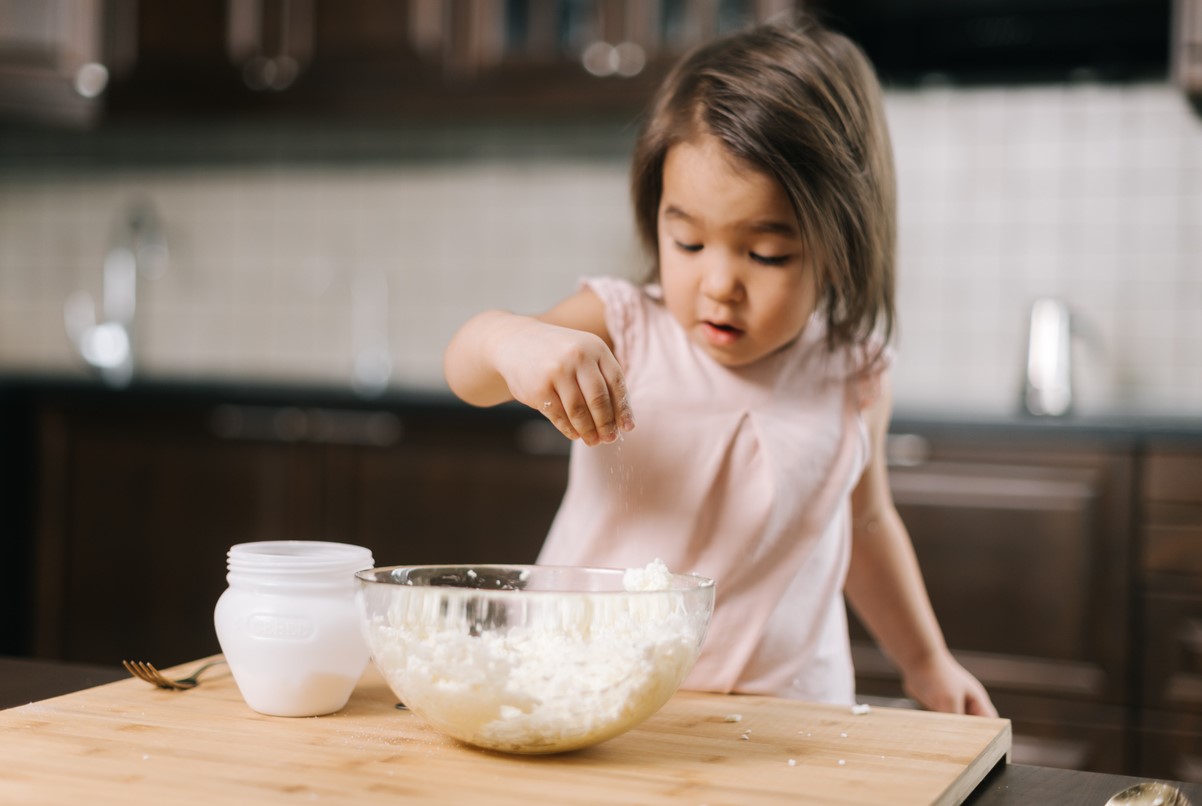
<point>56,57</point>
<point>1170,746</point>
<point>1023,548</point>
<point>1048,731</point>
<point>1170,588</point>
<point>1171,579</point>
<point>469,490</point>
<point>1024,556</point>
<point>1171,538</point>
<point>1052,732</point>
<point>138,508</point>
<point>1172,652</point>
<point>1010,553</point>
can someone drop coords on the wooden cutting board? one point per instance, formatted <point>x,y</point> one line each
<point>130,743</point>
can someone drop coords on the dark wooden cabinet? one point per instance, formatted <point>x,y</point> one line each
<point>1023,542</point>
<point>137,509</point>
<point>361,60</point>
<point>452,492</point>
<point>415,59</point>
<point>1172,650</point>
<point>57,57</point>
<point>372,60</point>
<point>1170,745</point>
<point>1169,589</point>
<point>139,502</point>
<point>462,486</point>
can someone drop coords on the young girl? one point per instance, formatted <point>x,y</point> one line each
<point>754,359</point>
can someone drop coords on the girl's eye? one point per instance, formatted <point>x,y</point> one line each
<point>689,247</point>
<point>764,260</point>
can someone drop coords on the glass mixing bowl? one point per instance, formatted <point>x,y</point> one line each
<point>533,659</point>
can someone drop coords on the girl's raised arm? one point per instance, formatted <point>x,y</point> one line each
<point>560,363</point>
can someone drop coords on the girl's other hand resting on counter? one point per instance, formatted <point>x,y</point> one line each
<point>942,684</point>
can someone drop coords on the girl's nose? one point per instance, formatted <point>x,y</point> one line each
<point>721,280</point>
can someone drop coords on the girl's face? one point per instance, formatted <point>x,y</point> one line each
<point>732,264</point>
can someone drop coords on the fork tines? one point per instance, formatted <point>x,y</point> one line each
<point>147,672</point>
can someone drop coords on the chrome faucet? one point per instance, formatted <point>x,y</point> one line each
<point>1048,388</point>
<point>106,342</point>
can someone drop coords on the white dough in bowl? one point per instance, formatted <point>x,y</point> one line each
<point>539,671</point>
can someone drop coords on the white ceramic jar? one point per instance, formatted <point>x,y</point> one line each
<point>288,625</point>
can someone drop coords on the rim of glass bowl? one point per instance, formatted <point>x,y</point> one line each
<point>386,575</point>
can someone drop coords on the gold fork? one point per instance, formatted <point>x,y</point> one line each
<point>147,672</point>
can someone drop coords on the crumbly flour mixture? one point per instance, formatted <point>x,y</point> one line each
<point>556,672</point>
<point>654,577</point>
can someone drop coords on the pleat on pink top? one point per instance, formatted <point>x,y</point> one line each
<point>742,475</point>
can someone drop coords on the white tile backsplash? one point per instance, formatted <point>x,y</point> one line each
<point>1091,193</point>
<point>1088,193</point>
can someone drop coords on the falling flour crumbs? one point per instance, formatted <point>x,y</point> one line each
<point>576,669</point>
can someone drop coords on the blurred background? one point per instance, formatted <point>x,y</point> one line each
<point>341,185</point>
<point>235,236</point>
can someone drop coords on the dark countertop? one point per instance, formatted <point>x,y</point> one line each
<point>219,390</point>
<point>1119,423</point>
<point>25,680</point>
<point>1013,784</point>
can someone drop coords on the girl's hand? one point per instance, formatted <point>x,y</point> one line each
<point>942,684</point>
<point>569,375</point>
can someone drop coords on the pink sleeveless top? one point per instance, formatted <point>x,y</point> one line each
<point>742,475</point>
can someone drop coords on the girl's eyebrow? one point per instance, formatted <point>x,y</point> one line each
<point>672,211</point>
<point>767,226</point>
<point>771,227</point>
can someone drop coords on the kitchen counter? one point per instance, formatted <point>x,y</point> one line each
<point>1117,423</point>
<point>26,680</point>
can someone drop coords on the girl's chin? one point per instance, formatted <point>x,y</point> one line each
<point>727,352</point>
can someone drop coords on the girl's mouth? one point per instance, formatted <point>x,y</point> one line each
<point>720,334</point>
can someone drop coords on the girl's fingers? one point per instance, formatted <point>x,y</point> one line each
<point>623,414</point>
<point>552,409</point>
<point>591,405</point>
<point>582,399</point>
<point>602,404</point>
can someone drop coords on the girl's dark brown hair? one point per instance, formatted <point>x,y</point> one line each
<point>801,103</point>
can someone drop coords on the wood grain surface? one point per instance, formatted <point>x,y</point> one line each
<point>129,743</point>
